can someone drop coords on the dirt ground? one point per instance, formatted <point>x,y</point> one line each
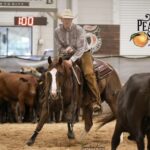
<point>53,137</point>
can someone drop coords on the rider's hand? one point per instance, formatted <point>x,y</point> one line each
<point>69,49</point>
<point>68,62</point>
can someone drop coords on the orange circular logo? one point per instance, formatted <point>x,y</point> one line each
<point>139,39</point>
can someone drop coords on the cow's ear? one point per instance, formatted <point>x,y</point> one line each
<point>49,60</point>
<point>23,79</point>
<point>60,60</point>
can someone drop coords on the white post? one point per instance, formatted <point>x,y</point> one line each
<point>116,11</point>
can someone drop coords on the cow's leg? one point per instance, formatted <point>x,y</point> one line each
<point>137,130</point>
<point>31,114</point>
<point>21,109</point>
<point>148,140</point>
<point>42,120</point>
<point>140,140</point>
<point>116,136</point>
<point>15,114</point>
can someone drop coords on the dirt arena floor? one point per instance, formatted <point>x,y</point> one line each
<point>53,137</point>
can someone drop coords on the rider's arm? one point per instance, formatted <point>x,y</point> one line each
<point>81,44</point>
<point>58,45</point>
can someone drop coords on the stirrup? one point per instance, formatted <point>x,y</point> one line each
<point>96,107</point>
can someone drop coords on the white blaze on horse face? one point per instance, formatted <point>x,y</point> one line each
<point>54,84</point>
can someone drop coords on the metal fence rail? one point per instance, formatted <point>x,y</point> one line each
<point>124,66</point>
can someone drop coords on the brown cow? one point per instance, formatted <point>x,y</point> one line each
<point>21,88</point>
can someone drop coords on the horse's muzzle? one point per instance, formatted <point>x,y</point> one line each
<point>55,96</point>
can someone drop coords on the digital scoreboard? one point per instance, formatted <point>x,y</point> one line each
<point>30,21</point>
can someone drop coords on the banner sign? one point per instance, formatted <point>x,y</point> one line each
<point>27,5</point>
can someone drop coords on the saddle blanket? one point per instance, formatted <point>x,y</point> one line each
<point>102,69</point>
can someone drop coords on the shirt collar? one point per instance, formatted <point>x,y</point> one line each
<point>68,30</point>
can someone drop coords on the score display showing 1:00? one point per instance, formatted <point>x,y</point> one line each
<point>30,21</point>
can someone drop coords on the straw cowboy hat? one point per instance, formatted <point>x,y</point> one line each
<point>66,14</point>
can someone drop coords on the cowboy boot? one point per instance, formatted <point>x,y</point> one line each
<point>97,107</point>
<point>92,84</point>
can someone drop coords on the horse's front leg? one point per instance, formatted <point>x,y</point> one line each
<point>70,122</point>
<point>70,117</point>
<point>71,134</point>
<point>43,118</point>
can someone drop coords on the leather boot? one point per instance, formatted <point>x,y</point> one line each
<point>92,84</point>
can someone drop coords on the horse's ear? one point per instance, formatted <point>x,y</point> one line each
<point>60,60</point>
<point>49,60</point>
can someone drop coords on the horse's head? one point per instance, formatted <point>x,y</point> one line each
<point>56,77</point>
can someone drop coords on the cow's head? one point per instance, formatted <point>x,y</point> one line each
<point>30,70</point>
<point>30,84</point>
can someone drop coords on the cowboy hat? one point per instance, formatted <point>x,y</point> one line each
<point>66,14</point>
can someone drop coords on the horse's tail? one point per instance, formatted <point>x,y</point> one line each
<point>104,119</point>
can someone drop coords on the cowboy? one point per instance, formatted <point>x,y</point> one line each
<point>70,38</point>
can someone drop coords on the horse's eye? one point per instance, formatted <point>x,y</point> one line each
<point>49,76</point>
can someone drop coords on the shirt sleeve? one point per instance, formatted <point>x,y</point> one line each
<point>58,45</point>
<point>81,44</point>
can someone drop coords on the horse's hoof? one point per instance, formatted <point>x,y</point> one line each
<point>30,142</point>
<point>71,136</point>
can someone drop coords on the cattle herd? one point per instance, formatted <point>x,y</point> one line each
<point>21,95</point>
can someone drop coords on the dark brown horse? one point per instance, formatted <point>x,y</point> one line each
<point>70,92</point>
<point>60,85</point>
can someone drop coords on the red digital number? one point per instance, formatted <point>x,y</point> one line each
<point>26,21</point>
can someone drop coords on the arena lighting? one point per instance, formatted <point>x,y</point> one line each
<point>30,21</point>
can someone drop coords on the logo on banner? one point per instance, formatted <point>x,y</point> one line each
<point>142,36</point>
<point>93,37</point>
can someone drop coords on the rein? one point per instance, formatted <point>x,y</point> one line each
<point>75,74</point>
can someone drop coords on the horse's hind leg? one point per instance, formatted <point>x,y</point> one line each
<point>43,118</point>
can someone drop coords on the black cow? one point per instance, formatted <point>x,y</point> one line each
<point>133,111</point>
